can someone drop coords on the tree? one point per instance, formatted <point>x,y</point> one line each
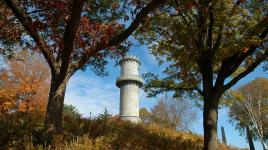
<point>207,46</point>
<point>250,109</point>
<point>105,115</point>
<point>71,35</point>
<point>24,85</point>
<point>177,113</point>
<point>72,119</point>
<point>71,111</point>
<point>145,116</point>
<point>173,113</point>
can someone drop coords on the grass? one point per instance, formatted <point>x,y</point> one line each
<point>106,133</point>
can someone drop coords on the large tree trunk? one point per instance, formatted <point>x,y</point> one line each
<point>249,137</point>
<point>53,118</point>
<point>210,116</point>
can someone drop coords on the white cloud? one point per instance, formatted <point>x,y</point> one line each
<point>91,95</point>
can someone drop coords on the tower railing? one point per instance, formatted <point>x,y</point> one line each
<point>129,77</point>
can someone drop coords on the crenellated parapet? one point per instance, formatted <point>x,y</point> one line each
<point>129,58</point>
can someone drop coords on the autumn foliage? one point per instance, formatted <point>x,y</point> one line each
<point>24,85</point>
<point>71,35</point>
<point>106,133</point>
<point>207,47</point>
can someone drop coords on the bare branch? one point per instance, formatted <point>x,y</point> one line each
<point>189,25</point>
<point>210,28</point>
<point>218,40</point>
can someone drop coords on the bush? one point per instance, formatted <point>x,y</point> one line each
<point>17,125</point>
<point>103,133</point>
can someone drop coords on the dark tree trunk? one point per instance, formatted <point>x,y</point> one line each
<point>210,116</point>
<point>263,145</point>
<point>53,118</point>
<point>223,135</point>
<point>249,137</point>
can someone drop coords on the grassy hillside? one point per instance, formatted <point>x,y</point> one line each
<point>105,134</point>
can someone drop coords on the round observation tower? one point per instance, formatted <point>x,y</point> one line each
<point>129,83</point>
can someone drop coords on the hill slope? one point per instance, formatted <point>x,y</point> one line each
<point>111,133</point>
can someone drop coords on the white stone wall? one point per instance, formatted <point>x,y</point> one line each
<point>129,83</point>
<point>129,67</point>
<point>129,102</point>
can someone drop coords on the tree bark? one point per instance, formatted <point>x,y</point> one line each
<point>210,122</point>
<point>264,145</point>
<point>249,137</point>
<point>54,116</point>
<point>223,135</point>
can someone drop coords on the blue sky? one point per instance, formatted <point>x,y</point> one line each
<point>91,94</point>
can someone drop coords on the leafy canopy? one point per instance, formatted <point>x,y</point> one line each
<point>24,84</point>
<point>51,27</point>
<point>250,108</point>
<point>227,36</point>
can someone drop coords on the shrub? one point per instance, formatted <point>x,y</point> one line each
<point>108,133</point>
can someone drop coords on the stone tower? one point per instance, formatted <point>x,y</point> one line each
<point>129,83</point>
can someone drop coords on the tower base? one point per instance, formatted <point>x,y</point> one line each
<point>133,119</point>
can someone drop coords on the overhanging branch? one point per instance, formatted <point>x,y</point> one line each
<point>199,91</point>
<point>115,40</point>
<point>69,34</point>
<point>27,23</point>
<point>135,24</point>
<point>246,72</point>
<point>230,64</point>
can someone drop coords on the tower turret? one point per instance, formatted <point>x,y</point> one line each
<point>129,83</point>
